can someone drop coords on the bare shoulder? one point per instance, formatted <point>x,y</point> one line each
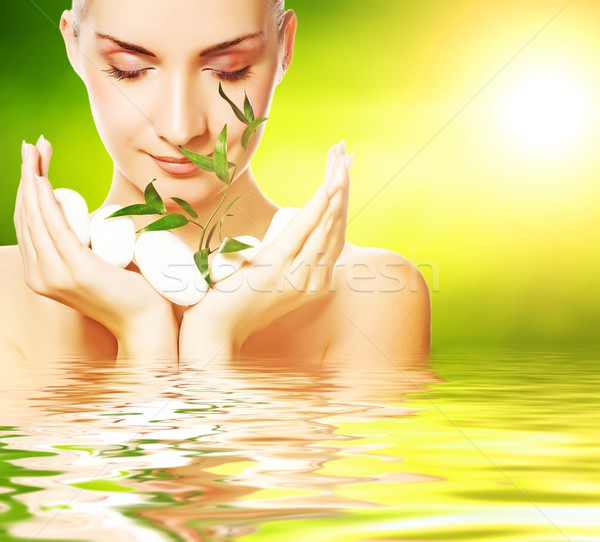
<point>385,304</point>
<point>382,269</point>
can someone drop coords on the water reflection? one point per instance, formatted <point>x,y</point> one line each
<point>193,452</point>
<point>268,451</point>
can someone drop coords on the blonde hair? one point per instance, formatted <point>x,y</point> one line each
<point>81,9</point>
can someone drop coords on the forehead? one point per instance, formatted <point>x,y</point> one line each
<point>180,26</point>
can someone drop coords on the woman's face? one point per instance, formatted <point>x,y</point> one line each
<point>146,102</point>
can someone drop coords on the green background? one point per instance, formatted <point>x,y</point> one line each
<point>506,234</point>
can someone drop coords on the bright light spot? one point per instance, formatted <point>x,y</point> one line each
<point>546,112</point>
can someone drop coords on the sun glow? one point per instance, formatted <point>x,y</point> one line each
<point>546,112</point>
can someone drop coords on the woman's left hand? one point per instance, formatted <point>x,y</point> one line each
<point>280,277</point>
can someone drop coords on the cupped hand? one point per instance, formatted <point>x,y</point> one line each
<point>58,266</point>
<point>284,274</point>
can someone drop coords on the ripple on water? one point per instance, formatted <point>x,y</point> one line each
<point>481,443</point>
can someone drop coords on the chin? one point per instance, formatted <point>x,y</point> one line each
<point>194,190</point>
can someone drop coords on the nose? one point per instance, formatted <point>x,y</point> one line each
<point>180,113</point>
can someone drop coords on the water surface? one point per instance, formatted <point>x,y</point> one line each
<point>479,444</point>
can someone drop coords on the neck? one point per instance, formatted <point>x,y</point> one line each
<point>252,213</point>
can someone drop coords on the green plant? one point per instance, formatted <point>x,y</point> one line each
<point>218,164</point>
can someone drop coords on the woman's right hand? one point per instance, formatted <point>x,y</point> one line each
<point>58,266</point>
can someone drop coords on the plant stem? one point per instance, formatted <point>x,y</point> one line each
<point>222,200</point>
<point>212,216</point>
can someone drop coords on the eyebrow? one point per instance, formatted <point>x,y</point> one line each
<point>211,50</point>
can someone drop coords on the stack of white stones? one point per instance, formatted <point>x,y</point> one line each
<point>164,259</point>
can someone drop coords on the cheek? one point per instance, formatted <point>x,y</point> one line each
<point>260,93</point>
<point>264,88</point>
<point>113,110</point>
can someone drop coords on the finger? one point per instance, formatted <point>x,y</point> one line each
<point>33,221</point>
<point>341,181</point>
<point>66,243</point>
<point>291,238</point>
<point>340,177</point>
<point>315,246</point>
<point>17,214</point>
<point>336,239</point>
<point>21,209</point>
<point>28,256</point>
<point>45,150</point>
<point>26,248</point>
<point>331,154</point>
<point>325,244</point>
<point>25,148</point>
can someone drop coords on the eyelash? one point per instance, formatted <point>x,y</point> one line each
<point>244,73</point>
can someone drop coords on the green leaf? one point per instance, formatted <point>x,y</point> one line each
<point>220,157</point>
<point>233,245</point>
<point>186,207</point>
<point>135,209</point>
<point>153,199</point>
<point>235,108</point>
<point>201,259</point>
<point>210,234</point>
<point>248,109</point>
<point>204,162</point>
<point>168,222</point>
<point>250,130</point>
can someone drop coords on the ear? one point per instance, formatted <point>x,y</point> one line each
<point>290,23</point>
<point>68,31</point>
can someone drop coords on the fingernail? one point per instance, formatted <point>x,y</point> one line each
<point>341,147</point>
<point>37,181</point>
<point>40,141</point>
<point>349,161</point>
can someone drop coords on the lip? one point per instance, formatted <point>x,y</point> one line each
<point>176,166</point>
<point>171,160</point>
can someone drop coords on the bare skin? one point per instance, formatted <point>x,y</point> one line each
<point>383,314</point>
<point>40,329</point>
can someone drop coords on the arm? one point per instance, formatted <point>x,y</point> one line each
<point>151,337</point>
<point>386,311</point>
<point>207,345</point>
<point>217,339</point>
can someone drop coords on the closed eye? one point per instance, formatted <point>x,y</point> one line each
<point>238,75</point>
<point>121,74</point>
<point>244,73</point>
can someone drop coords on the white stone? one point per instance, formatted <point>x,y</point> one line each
<point>168,265</point>
<point>279,221</point>
<point>75,210</point>
<point>113,239</point>
<point>224,264</point>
